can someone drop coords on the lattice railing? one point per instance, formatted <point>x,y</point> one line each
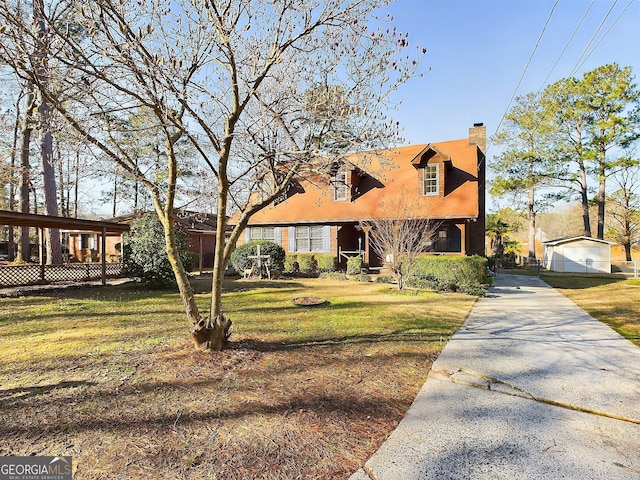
<point>18,275</point>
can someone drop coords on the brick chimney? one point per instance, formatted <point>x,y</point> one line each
<point>478,136</point>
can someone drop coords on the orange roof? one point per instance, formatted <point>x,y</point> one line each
<point>395,174</point>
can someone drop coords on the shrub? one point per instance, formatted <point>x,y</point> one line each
<point>455,274</point>
<point>145,256</point>
<point>327,263</point>
<point>385,279</point>
<point>240,256</point>
<point>291,263</point>
<point>354,265</point>
<point>307,262</point>
<point>362,277</point>
<point>334,276</point>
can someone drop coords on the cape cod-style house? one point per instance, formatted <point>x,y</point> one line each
<point>444,181</point>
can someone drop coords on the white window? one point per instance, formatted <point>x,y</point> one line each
<point>431,180</point>
<point>311,238</point>
<point>340,187</point>
<point>263,233</point>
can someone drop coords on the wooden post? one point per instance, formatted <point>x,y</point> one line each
<point>200,253</point>
<point>367,229</point>
<point>104,255</point>
<point>40,251</point>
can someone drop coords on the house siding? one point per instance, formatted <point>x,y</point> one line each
<point>287,239</point>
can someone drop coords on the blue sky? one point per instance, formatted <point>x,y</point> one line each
<point>478,50</point>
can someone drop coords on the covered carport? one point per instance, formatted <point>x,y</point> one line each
<point>41,222</point>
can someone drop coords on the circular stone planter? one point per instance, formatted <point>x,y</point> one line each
<point>309,301</point>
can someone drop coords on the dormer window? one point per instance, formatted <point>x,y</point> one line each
<point>340,187</point>
<point>430,180</point>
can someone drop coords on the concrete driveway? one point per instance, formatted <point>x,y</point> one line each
<point>530,387</point>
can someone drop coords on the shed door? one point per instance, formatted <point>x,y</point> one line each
<point>582,259</point>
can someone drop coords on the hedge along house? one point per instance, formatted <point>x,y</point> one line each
<point>577,255</point>
<point>443,181</point>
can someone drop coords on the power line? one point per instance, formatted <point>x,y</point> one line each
<point>581,60</point>
<point>595,47</point>
<point>544,82</point>
<point>535,48</point>
<point>592,39</point>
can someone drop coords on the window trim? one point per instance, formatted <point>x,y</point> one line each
<point>250,231</point>
<point>323,238</point>
<point>435,180</point>
<point>340,185</point>
<point>261,229</point>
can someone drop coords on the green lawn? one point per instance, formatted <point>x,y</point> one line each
<point>615,302</point>
<point>108,375</point>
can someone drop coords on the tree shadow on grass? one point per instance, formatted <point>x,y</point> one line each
<point>10,395</point>
<point>348,405</point>
<point>287,345</point>
<point>578,282</point>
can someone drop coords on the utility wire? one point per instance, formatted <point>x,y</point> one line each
<point>595,47</point>
<point>544,82</point>
<point>581,60</point>
<point>578,62</point>
<point>535,48</point>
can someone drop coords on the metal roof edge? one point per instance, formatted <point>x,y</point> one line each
<point>559,241</point>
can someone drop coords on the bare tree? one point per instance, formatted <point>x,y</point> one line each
<point>401,240</point>
<point>229,76</point>
<point>12,171</point>
<point>37,116</point>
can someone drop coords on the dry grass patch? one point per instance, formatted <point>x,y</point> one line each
<point>109,377</point>
<point>614,302</point>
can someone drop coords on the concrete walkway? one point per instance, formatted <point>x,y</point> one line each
<point>530,387</point>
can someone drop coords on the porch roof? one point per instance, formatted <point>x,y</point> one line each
<point>18,219</point>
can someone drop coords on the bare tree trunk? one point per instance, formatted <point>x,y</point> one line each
<point>584,195</point>
<point>64,207</point>
<point>601,193</point>
<point>532,223</point>
<point>24,254</point>
<point>115,194</point>
<point>214,334</point>
<point>54,251</point>
<point>182,279</point>
<point>12,184</point>
<point>75,186</point>
<point>627,250</point>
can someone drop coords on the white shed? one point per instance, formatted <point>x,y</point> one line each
<point>577,255</point>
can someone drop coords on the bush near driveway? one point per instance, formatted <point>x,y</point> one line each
<point>451,273</point>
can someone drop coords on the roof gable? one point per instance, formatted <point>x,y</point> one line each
<point>431,153</point>
<point>381,176</point>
